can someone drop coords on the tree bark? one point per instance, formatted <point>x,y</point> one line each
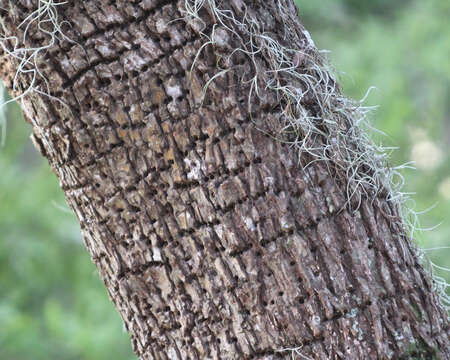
<point>213,240</point>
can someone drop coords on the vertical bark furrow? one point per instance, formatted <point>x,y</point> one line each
<point>212,239</point>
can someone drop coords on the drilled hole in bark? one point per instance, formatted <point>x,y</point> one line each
<point>281,293</point>
<point>292,263</point>
<point>301,300</point>
<point>105,82</point>
<point>241,60</point>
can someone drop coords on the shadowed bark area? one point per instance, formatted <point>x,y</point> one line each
<point>211,238</point>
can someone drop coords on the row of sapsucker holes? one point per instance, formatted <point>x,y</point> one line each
<point>190,184</point>
<point>106,82</point>
<point>133,74</point>
<point>131,19</point>
<point>167,52</point>
<point>227,209</point>
<point>223,211</point>
<point>126,126</point>
<point>292,263</point>
<point>301,300</point>
<point>187,185</point>
<point>121,26</point>
<point>337,315</point>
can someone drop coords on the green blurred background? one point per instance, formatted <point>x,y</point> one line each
<point>52,302</point>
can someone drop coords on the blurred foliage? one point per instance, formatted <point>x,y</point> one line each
<point>379,7</point>
<point>53,304</point>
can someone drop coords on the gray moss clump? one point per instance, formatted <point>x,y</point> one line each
<point>28,78</point>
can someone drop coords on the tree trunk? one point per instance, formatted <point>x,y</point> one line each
<point>213,239</point>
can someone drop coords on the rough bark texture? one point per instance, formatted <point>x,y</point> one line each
<point>211,239</point>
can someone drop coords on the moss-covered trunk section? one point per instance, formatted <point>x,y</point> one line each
<point>213,240</point>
